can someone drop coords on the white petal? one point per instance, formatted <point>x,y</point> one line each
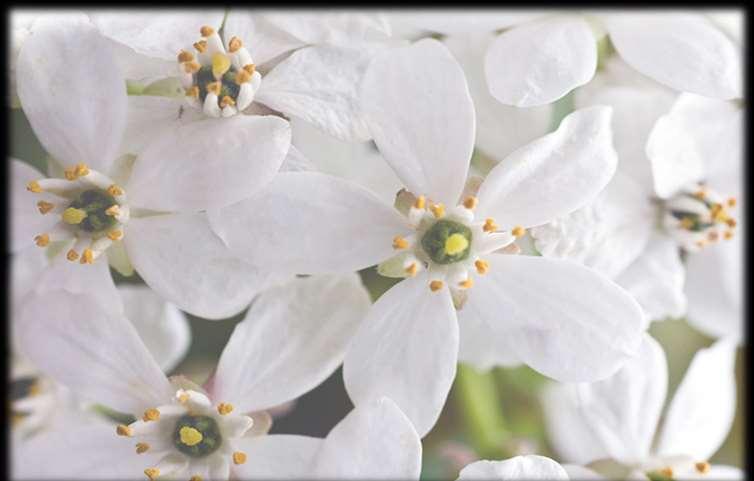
<point>292,338</point>
<point>481,345</point>
<point>656,278</point>
<point>296,161</point>
<point>460,22</point>
<point>539,62</point>
<point>406,349</point>
<point>701,412</point>
<point>72,92</point>
<point>681,50</point>
<point>263,40</point>
<point>344,29</point>
<point>276,456</point>
<point>554,175</point>
<point>163,328</point>
<point>320,85</point>
<point>561,318</point>
<point>306,222</point>
<point>186,263</point>
<point>374,441</point>
<point>718,471</point>
<point>419,110</point>
<point>520,467</point>
<point>26,220</point>
<point>579,472</point>
<point>95,352</point>
<point>149,116</point>
<point>209,164</point>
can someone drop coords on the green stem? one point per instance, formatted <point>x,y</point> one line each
<point>479,403</point>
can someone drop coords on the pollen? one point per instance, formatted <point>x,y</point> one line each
<point>114,190</point>
<point>70,174</point>
<point>667,472</point>
<point>489,225</point>
<point>250,67</point>
<point>152,473</point>
<point>72,255</point>
<point>713,236</point>
<point>242,76</point>
<point>87,257</point>
<point>234,44</point>
<point>420,202</point>
<point>42,240</point>
<point>224,408</point>
<point>730,222</point>
<point>239,457</point>
<point>412,269</point>
<point>455,244</point>
<point>481,266</point>
<point>151,414</point>
<point>184,56</point>
<point>702,467</point>
<point>206,31</point>
<point>470,202</point>
<point>113,210</point>
<point>227,100</point>
<point>190,436</point>
<point>435,286</point>
<point>74,216</point>
<point>142,448</point>
<point>399,242</point>
<point>467,284</point>
<point>192,92</point>
<point>220,64</point>
<point>214,87</point>
<point>700,194</point>
<point>82,170</point>
<point>123,430</point>
<point>115,234</point>
<point>728,235</point>
<point>195,477</point>
<point>731,202</point>
<point>192,67</point>
<point>201,46</point>
<point>34,186</point>
<point>183,398</point>
<point>518,231</point>
<point>438,210</point>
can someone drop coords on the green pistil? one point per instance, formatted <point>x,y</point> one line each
<point>228,82</point>
<point>210,435</point>
<point>95,203</point>
<point>434,242</point>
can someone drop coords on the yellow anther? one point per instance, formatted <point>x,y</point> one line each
<point>206,31</point>
<point>72,255</point>
<point>239,457</point>
<point>489,225</point>
<point>195,477</point>
<point>702,467</point>
<point>713,236</point>
<point>518,231</point>
<point>467,284</point>
<point>687,223</point>
<point>82,170</point>
<point>731,202</point>
<point>183,398</point>
<point>412,269</point>
<point>142,448</point>
<point>420,202</point>
<point>718,213</point>
<point>438,210</point>
<point>234,44</point>
<point>152,473</point>
<point>435,286</point>
<point>35,389</point>
<point>190,436</point>
<point>224,408</point>
<point>730,222</point>
<point>201,46</point>
<point>667,472</point>
<point>113,210</point>
<point>242,76</point>
<point>700,194</point>
<point>399,242</point>
<point>114,190</point>
<point>70,174</point>
<point>123,430</point>
<point>192,67</point>
<point>74,216</point>
<point>34,186</point>
<point>42,240</point>
<point>700,243</point>
<point>481,266</point>
<point>151,414</point>
<point>728,235</point>
<point>87,257</point>
<point>470,202</point>
<point>192,92</point>
<point>184,56</point>
<point>220,64</point>
<point>45,207</point>
<point>250,67</point>
<point>214,87</point>
<point>227,100</point>
<point>455,244</point>
<point>115,234</point>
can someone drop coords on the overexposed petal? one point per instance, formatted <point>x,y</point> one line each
<point>419,110</point>
<point>406,349</point>
<point>530,466</point>
<point>276,456</point>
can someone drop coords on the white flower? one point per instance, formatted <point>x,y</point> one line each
<point>562,319</point>
<point>147,209</point>
<point>539,57</point>
<point>293,337</point>
<point>618,417</point>
<point>524,467</point>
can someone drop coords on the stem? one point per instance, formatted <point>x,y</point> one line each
<point>476,396</point>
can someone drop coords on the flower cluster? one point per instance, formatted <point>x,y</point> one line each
<point>393,193</point>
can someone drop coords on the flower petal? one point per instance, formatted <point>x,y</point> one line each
<point>554,175</point>
<point>276,456</point>
<point>701,412</point>
<point>482,346</point>
<point>562,319</point>
<point>344,29</point>
<point>186,263</point>
<point>148,116</point>
<point>209,164</point>
<point>374,441</point>
<point>406,349</point>
<point>296,332</point>
<point>72,92</point>
<point>419,110</point>
<point>539,62</point>
<point>95,352</point>
<point>682,50</point>
<point>521,467</point>
<point>460,22</point>
<point>26,220</point>
<point>306,223</point>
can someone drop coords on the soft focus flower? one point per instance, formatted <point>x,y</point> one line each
<point>524,467</point>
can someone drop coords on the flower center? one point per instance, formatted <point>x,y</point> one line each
<point>447,242</point>
<point>196,436</point>
<point>698,216</point>
<point>89,209</point>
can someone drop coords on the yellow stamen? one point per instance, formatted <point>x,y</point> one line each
<point>239,457</point>
<point>731,222</point>
<point>224,408</point>
<point>250,67</point>
<point>142,448</point>
<point>467,284</point>
<point>470,202</point>
<point>731,202</point>
<point>151,414</point>
<point>114,190</point>
<point>152,473</point>
<point>196,477</point>
<point>728,235</point>
<point>420,202</point>
<point>687,223</point>
<point>667,472</point>
<point>489,225</point>
<point>700,194</point>
<point>227,100</point>
<point>190,436</point>
<point>74,216</point>
<point>242,76</point>
<point>700,244</point>
<point>192,67</point>
<point>481,266</point>
<point>82,170</point>
<point>113,210</point>
<point>183,398</point>
<point>72,255</point>
<point>412,269</point>
<point>42,240</point>
<point>45,207</point>
<point>702,467</point>
<point>34,186</point>
<point>234,44</point>
<point>399,242</point>
<point>213,87</point>
<point>713,236</point>
<point>518,231</point>
<point>438,210</point>
<point>455,244</point>
<point>192,92</point>
<point>435,286</point>
<point>201,46</point>
<point>35,389</point>
<point>87,257</point>
<point>206,31</point>
<point>220,64</point>
<point>115,234</point>
<point>123,430</point>
<point>70,174</point>
<point>184,56</point>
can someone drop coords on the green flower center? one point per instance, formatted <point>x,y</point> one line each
<point>88,211</point>
<point>196,436</point>
<point>228,85</point>
<point>447,242</point>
